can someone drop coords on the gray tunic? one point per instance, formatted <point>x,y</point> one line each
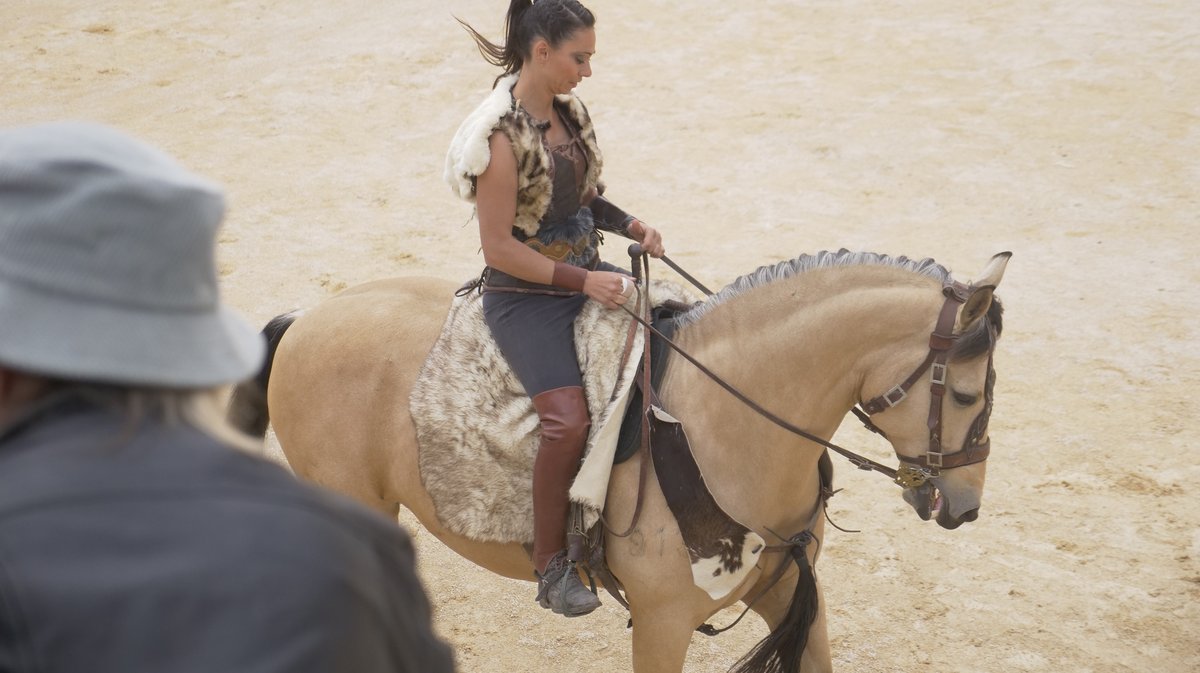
<point>145,547</point>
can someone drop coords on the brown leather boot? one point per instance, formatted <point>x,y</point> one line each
<point>564,419</point>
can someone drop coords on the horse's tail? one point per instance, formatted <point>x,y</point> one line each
<point>781,650</point>
<point>248,404</point>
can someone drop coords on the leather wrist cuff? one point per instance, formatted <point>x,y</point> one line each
<point>569,277</point>
<point>609,217</point>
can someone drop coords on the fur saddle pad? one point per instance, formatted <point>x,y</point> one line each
<point>477,431</point>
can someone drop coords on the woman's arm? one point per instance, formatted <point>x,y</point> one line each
<point>496,204</point>
<point>607,215</point>
<point>616,220</point>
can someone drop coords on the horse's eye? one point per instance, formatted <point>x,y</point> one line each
<point>964,400</point>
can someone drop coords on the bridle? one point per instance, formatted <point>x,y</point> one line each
<point>914,472</point>
<point>976,445</point>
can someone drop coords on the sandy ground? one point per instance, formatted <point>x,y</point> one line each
<point>1066,132</point>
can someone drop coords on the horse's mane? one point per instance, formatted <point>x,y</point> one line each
<point>976,341</point>
<point>765,275</point>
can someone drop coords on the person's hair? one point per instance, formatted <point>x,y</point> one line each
<point>551,20</point>
<point>202,409</point>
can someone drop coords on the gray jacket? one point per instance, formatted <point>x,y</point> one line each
<point>154,548</point>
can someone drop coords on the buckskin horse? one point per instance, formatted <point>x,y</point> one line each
<point>805,340</point>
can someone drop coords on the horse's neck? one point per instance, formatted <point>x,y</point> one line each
<point>799,347</point>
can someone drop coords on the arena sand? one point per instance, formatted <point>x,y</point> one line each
<point>1066,132</point>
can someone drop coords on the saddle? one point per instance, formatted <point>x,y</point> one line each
<point>721,550</point>
<point>477,431</point>
<point>477,437</point>
<point>663,320</point>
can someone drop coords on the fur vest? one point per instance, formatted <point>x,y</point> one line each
<point>469,152</point>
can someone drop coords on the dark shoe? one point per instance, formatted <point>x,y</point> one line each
<point>561,591</point>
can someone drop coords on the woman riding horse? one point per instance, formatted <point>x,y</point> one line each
<point>527,157</point>
<point>810,338</point>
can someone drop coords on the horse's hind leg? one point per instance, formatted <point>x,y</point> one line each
<point>660,640</point>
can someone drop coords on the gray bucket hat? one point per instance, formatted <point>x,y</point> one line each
<point>107,264</point>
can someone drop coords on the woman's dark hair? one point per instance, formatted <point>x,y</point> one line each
<point>552,20</point>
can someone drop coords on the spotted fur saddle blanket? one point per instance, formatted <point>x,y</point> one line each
<point>477,430</point>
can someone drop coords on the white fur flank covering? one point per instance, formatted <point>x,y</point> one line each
<point>470,153</point>
<point>477,430</point>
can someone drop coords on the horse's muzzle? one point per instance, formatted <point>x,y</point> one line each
<point>945,520</point>
<point>929,503</point>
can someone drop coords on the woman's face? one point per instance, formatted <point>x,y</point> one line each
<point>566,65</point>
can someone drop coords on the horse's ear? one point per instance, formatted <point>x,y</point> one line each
<point>980,301</point>
<point>976,307</point>
<point>994,272</point>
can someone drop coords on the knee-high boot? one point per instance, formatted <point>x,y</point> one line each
<point>564,419</point>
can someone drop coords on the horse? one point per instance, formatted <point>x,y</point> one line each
<point>808,339</point>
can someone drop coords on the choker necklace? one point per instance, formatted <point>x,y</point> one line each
<point>539,124</point>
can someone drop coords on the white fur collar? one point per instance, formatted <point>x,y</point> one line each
<point>469,153</point>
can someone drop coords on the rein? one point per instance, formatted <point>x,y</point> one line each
<point>861,462</point>
<point>918,470</point>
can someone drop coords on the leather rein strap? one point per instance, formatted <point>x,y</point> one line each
<point>641,272</point>
<point>940,341</point>
<point>861,462</point>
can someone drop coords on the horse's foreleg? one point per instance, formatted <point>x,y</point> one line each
<point>660,640</point>
<point>817,657</point>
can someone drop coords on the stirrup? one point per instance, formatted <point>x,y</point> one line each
<point>562,592</point>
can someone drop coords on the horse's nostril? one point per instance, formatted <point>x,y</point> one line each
<point>971,515</point>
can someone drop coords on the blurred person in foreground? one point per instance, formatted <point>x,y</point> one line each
<point>135,535</point>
